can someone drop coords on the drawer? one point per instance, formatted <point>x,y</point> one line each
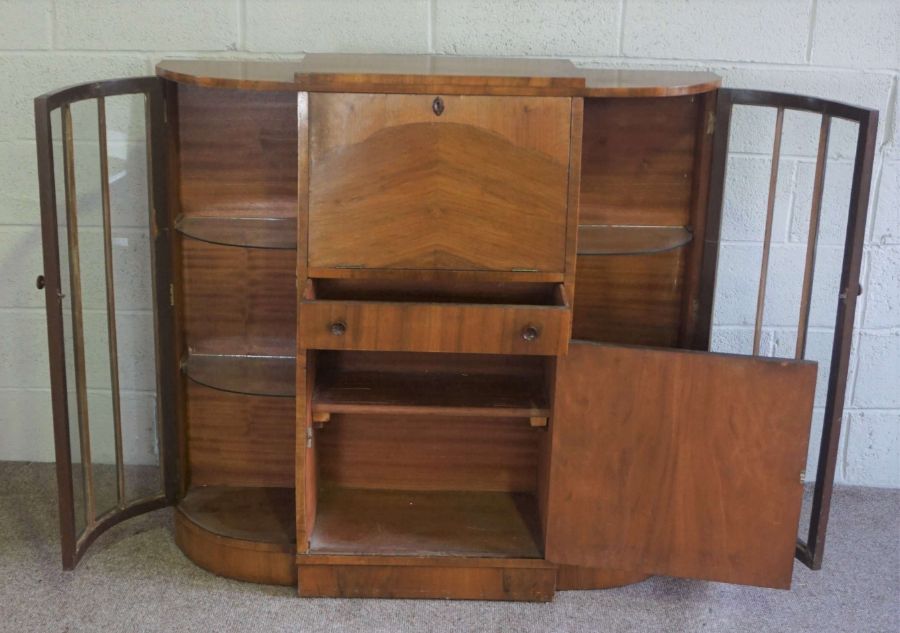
<point>480,186</point>
<point>539,323</point>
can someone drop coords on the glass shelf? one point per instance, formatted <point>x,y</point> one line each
<point>246,374</point>
<point>608,239</point>
<point>277,233</point>
<point>258,514</point>
<point>441,393</point>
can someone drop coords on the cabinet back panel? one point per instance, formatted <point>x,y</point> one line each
<point>238,300</point>
<point>633,299</point>
<point>638,169</point>
<point>239,440</point>
<point>637,161</point>
<point>238,152</point>
<point>407,362</point>
<point>428,453</point>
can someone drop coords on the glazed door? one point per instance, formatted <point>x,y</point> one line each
<point>678,463</point>
<point>106,242</point>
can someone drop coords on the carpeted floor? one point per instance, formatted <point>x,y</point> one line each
<point>135,579</point>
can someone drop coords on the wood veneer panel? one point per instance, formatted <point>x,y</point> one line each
<point>463,580</point>
<point>610,82</point>
<point>417,326</point>
<point>570,577</point>
<point>238,300</point>
<point>597,82</point>
<point>238,152</point>
<point>261,551</point>
<point>445,74</point>
<point>632,299</point>
<point>428,452</point>
<point>480,187</point>
<point>239,440</point>
<point>416,523</point>
<point>637,161</point>
<point>678,463</point>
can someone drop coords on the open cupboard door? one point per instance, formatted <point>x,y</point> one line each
<point>690,463</point>
<point>107,279</point>
<point>678,463</point>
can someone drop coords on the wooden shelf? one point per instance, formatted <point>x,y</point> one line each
<point>415,523</point>
<point>597,239</point>
<point>246,374</point>
<point>486,395</point>
<point>261,515</point>
<point>277,233</point>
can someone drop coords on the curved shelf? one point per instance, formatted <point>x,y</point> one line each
<point>243,373</point>
<point>276,233</point>
<point>608,239</point>
<point>240,532</point>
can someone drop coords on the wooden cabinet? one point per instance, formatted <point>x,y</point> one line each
<point>436,327</point>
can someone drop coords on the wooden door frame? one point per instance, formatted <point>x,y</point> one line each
<point>73,545</point>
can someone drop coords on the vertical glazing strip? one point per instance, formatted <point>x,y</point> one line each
<point>767,239</point>
<point>55,337</point>
<point>111,301</point>
<point>813,237</point>
<point>77,315</point>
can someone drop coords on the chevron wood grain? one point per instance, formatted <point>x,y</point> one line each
<point>411,189</point>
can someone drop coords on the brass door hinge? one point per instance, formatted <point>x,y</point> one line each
<point>309,437</point>
<point>172,295</point>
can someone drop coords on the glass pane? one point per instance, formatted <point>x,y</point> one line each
<point>98,378</point>
<point>78,479</point>
<point>133,283</point>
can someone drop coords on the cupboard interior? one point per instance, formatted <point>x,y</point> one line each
<point>423,454</point>
<point>641,216</point>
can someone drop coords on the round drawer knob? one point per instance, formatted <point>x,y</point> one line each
<point>437,106</point>
<point>530,332</point>
<point>41,282</point>
<point>338,328</point>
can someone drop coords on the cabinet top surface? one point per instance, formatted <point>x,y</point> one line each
<point>436,73</point>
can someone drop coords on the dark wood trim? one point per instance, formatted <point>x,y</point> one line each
<point>703,144</point>
<point>713,225</point>
<point>162,231</point>
<point>55,333</point>
<point>812,551</point>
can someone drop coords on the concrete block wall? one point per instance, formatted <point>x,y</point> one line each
<point>836,49</point>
